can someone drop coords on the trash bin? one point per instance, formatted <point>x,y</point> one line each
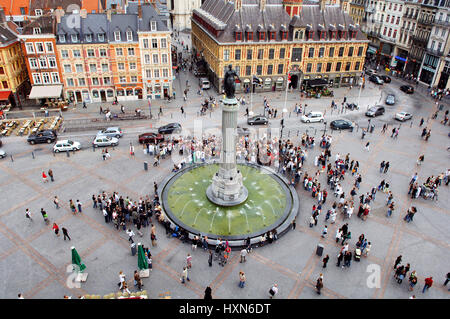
<point>133,249</point>
<point>372,128</point>
<point>146,166</point>
<point>319,250</point>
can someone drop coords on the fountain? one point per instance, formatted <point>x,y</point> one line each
<point>229,200</point>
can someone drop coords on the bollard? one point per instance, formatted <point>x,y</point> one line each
<point>297,133</point>
<point>185,115</point>
<point>93,147</point>
<point>171,115</point>
<point>32,154</point>
<point>146,166</point>
<point>12,160</point>
<point>68,154</point>
<point>411,124</point>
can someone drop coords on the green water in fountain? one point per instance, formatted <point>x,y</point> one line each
<point>265,205</point>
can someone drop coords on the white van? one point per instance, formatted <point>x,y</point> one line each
<point>204,83</point>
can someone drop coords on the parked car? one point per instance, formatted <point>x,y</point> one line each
<point>386,79</point>
<point>390,99</point>
<point>204,83</point>
<point>352,106</point>
<point>2,154</point>
<point>375,111</point>
<point>151,138</point>
<point>170,128</point>
<point>370,72</point>
<point>376,79</point>
<point>257,120</point>
<point>312,117</point>
<point>408,89</point>
<point>341,124</point>
<point>111,132</point>
<point>103,140</point>
<point>66,145</point>
<point>403,116</point>
<point>45,136</point>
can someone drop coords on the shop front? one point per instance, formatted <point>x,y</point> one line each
<point>428,70</point>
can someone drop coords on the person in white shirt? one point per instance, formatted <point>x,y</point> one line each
<point>130,234</point>
<point>273,291</point>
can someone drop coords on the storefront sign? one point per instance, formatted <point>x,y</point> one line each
<point>400,58</point>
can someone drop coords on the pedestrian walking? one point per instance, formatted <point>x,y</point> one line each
<point>50,173</point>
<point>56,229</point>
<point>130,234</point>
<point>447,279</point>
<point>189,261</point>
<point>325,261</point>
<point>241,279</point>
<point>210,258</point>
<point>382,166</point>
<point>45,216</point>
<point>243,255</point>
<point>79,205</point>
<point>367,146</point>
<point>65,233</point>
<point>412,280</point>
<point>28,214</point>
<point>56,202</point>
<point>44,177</point>
<point>72,206</point>
<point>153,235</point>
<point>398,261</point>
<point>367,250</point>
<point>273,291</point>
<point>185,275</point>
<point>324,231</point>
<point>138,280</point>
<point>319,284</point>
<point>428,284</point>
<point>386,167</point>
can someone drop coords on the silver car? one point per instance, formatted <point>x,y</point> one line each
<point>103,140</point>
<point>111,132</point>
<point>2,154</point>
<point>390,99</point>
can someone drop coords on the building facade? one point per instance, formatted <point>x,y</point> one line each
<point>275,39</point>
<point>181,12</point>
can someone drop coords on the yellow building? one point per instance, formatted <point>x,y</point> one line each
<point>13,70</point>
<point>356,10</point>
<point>308,41</point>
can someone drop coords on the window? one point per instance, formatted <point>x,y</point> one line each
<point>102,52</point>
<point>262,36</point>
<point>22,11</point>
<point>321,52</point>
<point>269,69</point>
<point>49,47</point>
<point>132,66</point>
<point>154,43</point>
<point>131,51</point>
<point>90,53</point>
<point>238,36</point>
<point>76,53</point>
<point>248,70</point>
<point>237,68</point>
<point>319,67</point>
<point>338,66</point>
<point>164,59</point>
<point>347,66</point>
<point>163,43</point>
<point>148,73</point>
<point>82,82</point>
<point>296,54</point>
<point>156,73</point>
<point>398,20</point>
<point>105,67</point>
<point>350,51</point>
<point>249,54</point>
<point>259,69</point>
<point>39,47</point>
<point>79,68</point>
<point>341,51</point>
<point>272,35</point>
<point>155,59</point>
<point>88,37</point>
<point>328,67</point>
<point>311,53</point>
<point>67,68</point>
<point>226,55</point>
<point>55,77</point>
<point>357,65</point>
<point>271,54</point>
<point>249,36</point>
<point>331,53</point>
<point>116,35</point>
<point>106,80</point>
<point>101,37</point>
<point>38,12</point>
<point>95,81</point>
<point>36,30</point>
<point>308,68</point>
<point>360,51</point>
<point>165,73</point>
<point>33,63</point>
<point>70,82</point>
<point>133,79</point>
<point>147,59</point>
<point>280,68</point>
<point>260,54</point>
<point>129,36</point>
<point>37,78</point>
<point>145,43</point>
<point>121,66</point>
<point>153,26</point>
<point>395,34</point>
<point>62,38</point>
<point>237,54</point>
<point>119,51</point>
<point>64,54</point>
<point>93,67</point>
<point>74,38</point>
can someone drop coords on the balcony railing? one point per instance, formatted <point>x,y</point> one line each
<point>442,23</point>
<point>435,52</point>
<point>418,39</point>
<point>426,21</point>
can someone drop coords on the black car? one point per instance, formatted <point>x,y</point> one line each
<point>375,111</point>
<point>46,136</point>
<point>376,79</point>
<point>407,89</point>
<point>170,128</point>
<point>257,120</point>
<point>386,79</point>
<point>341,125</point>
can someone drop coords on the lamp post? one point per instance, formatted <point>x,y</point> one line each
<point>360,88</point>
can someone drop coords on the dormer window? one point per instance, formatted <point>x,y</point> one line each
<point>88,37</point>
<point>36,30</point>
<point>74,38</point>
<point>272,35</point>
<point>117,35</point>
<point>353,34</point>
<point>62,38</point>
<point>344,34</point>
<point>322,35</point>
<point>129,35</point>
<point>101,37</point>
<point>250,36</point>
<point>310,35</point>
<point>238,36</point>
<point>153,25</point>
<point>262,36</point>
<point>284,35</point>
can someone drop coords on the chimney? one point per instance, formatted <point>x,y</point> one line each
<point>139,10</point>
<point>58,13</point>
<point>2,17</point>
<point>322,5</point>
<point>262,5</point>
<point>83,13</point>
<point>108,14</point>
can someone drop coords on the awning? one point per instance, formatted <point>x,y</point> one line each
<point>4,95</point>
<point>317,82</point>
<point>371,49</point>
<point>47,91</point>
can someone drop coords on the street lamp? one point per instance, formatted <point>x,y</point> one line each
<point>360,88</point>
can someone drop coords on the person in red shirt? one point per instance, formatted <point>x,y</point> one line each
<point>56,229</point>
<point>44,177</point>
<point>428,284</point>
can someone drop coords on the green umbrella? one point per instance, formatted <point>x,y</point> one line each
<point>142,261</point>
<point>76,260</point>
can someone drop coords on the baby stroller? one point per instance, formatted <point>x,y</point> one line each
<point>357,254</point>
<point>223,258</point>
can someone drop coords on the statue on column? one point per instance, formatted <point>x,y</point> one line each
<point>230,82</point>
